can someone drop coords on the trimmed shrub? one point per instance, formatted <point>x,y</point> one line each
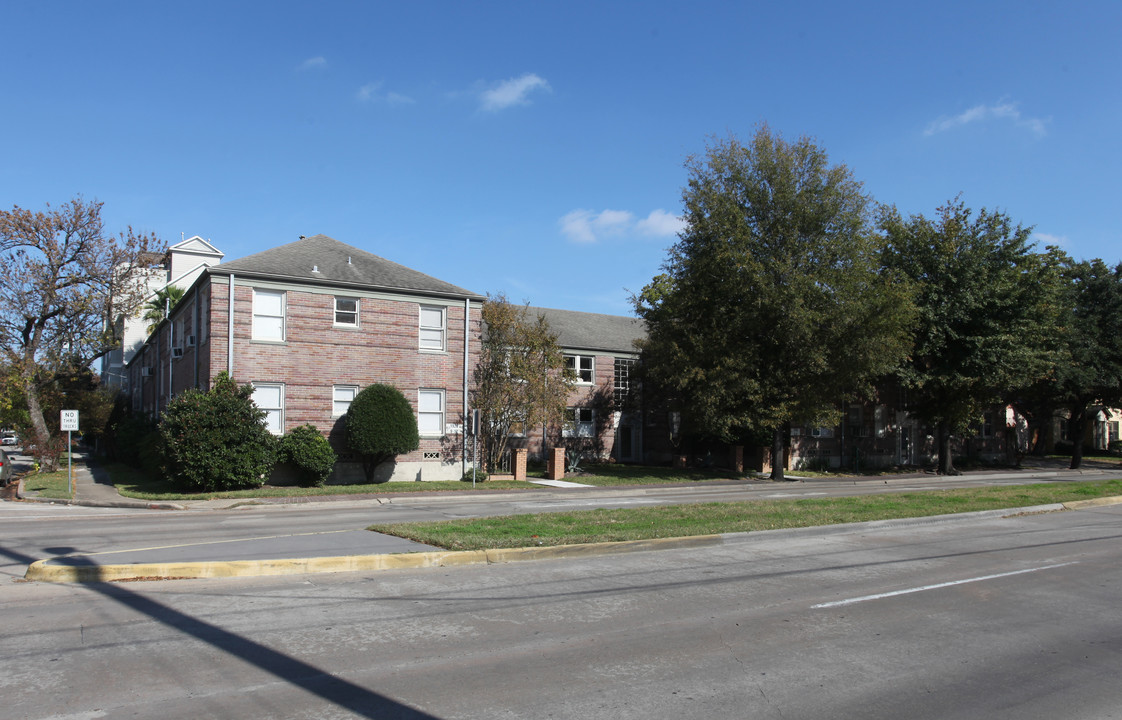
<point>309,452</point>
<point>380,426</point>
<point>217,440</point>
<point>480,475</point>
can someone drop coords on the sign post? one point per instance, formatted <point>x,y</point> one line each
<point>474,444</point>
<point>68,421</point>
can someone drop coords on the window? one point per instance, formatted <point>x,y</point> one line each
<point>880,421</point>
<point>270,398</point>
<point>822,432</point>
<point>268,315</point>
<point>346,312</point>
<point>622,386</point>
<point>580,422</point>
<point>856,418</point>
<point>988,422</point>
<point>432,328</point>
<point>341,397</point>
<point>430,413</point>
<point>581,365</point>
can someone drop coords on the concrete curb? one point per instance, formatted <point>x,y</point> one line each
<point>1095,502</point>
<point>45,571</point>
<point>135,504</point>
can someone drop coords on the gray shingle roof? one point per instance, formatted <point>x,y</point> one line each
<point>320,259</point>
<point>593,331</point>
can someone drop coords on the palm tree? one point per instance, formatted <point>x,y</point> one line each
<point>156,309</point>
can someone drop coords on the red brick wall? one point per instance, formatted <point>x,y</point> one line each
<point>316,355</point>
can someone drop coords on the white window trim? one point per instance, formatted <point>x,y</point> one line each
<point>577,367</point>
<point>279,430</point>
<point>421,393</point>
<point>576,427</point>
<point>335,315</point>
<point>334,400</point>
<point>282,317</point>
<point>442,329</point>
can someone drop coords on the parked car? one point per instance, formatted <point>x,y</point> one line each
<point>9,439</point>
<point>5,468</point>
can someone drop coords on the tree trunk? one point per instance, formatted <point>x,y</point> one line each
<point>946,458</point>
<point>1077,426</point>
<point>44,450</point>
<point>777,445</point>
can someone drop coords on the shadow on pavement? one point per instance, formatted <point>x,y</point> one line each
<point>355,698</point>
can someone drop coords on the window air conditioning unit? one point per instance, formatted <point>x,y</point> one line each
<point>190,341</point>
<point>147,372</point>
<point>177,352</point>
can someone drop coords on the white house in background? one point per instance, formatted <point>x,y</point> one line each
<point>180,265</point>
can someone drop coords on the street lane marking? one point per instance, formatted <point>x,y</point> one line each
<point>879,596</point>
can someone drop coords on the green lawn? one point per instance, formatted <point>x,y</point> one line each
<point>132,483</point>
<point>48,485</point>
<point>591,526</point>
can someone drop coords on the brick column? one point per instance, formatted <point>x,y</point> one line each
<point>519,463</point>
<point>557,463</point>
<point>738,459</point>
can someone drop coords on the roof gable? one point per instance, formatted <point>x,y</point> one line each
<point>196,246</point>
<point>322,259</point>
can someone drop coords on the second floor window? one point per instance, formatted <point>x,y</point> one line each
<point>268,315</point>
<point>622,387</point>
<point>432,328</point>
<point>581,365</point>
<point>346,312</point>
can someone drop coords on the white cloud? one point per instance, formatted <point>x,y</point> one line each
<point>511,92</point>
<point>981,113</point>
<point>372,92</point>
<point>661,224</point>
<point>586,226</point>
<point>315,63</point>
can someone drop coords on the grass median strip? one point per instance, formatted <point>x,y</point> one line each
<point>613,525</point>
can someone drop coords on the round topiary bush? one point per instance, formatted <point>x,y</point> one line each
<point>217,439</point>
<point>380,426</point>
<point>309,452</point>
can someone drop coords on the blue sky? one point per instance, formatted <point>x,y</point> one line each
<point>536,149</point>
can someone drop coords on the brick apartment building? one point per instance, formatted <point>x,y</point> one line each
<point>311,323</point>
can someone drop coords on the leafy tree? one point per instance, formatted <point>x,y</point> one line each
<point>309,451</point>
<point>520,380</point>
<point>380,426</point>
<point>217,439</point>
<point>773,307</point>
<point>1090,375</point>
<point>156,309</point>
<point>987,314</point>
<point>63,283</point>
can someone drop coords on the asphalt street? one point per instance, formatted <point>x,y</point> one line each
<point>1014,617</point>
